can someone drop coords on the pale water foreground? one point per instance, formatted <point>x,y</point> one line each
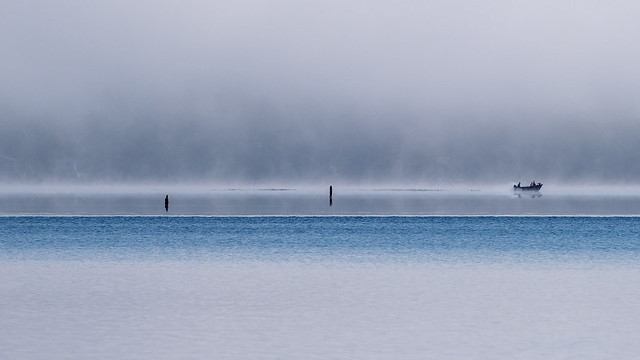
<point>158,286</point>
<point>274,310</point>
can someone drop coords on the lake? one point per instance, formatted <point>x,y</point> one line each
<point>280,274</point>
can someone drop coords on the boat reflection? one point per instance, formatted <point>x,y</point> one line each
<point>532,195</point>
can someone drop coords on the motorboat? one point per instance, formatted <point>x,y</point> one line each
<point>532,187</point>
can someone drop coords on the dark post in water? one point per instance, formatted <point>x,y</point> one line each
<point>330,195</point>
<point>166,203</point>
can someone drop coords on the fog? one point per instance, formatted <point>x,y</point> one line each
<point>301,91</point>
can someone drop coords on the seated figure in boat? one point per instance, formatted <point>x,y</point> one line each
<point>534,186</point>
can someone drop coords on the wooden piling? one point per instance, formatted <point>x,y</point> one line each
<point>330,195</point>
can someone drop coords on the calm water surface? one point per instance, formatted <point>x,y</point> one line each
<point>156,285</point>
<point>199,201</point>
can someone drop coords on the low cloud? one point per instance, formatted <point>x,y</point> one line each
<point>297,91</point>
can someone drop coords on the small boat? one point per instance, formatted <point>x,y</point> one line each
<point>532,187</point>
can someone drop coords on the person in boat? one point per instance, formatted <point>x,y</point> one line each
<point>518,184</point>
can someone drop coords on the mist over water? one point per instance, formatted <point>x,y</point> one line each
<point>421,115</point>
<point>148,200</point>
<point>301,92</point>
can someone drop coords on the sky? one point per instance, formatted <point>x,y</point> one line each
<point>295,91</point>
